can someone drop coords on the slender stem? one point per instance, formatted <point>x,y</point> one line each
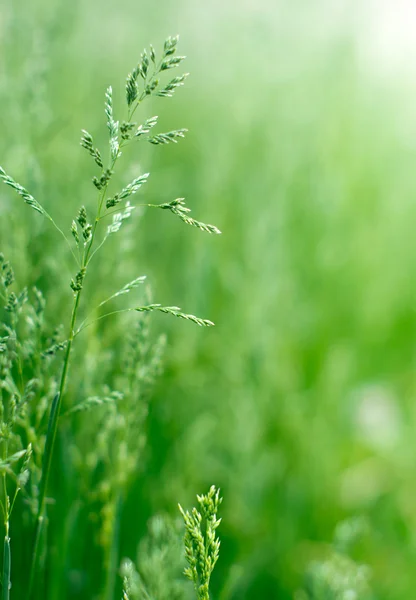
<point>114,549</point>
<point>6,565</point>
<point>57,402</point>
<point>14,499</point>
<point>98,247</point>
<point>84,325</point>
<point>113,212</point>
<point>48,216</point>
<point>49,446</point>
<point>4,506</point>
<point>6,554</point>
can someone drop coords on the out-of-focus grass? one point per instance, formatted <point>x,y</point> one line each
<point>300,404</point>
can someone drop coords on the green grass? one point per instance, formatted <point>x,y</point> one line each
<point>26,363</point>
<point>300,403</point>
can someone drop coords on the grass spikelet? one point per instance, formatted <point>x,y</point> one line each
<point>131,581</point>
<point>92,402</point>
<point>132,89</point>
<point>146,127</point>
<point>130,286</point>
<point>202,545</point>
<point>28,198</point>
<point>170,44</point>
<point>169,89</point>
<point>177,207</point>
<point>87,142</point>
<point>119,218</point>
<point>176,312</point>
<point>172,62</point>
<point>129,190</point>
<point>169,137</point>
<point>111,123</point>
<point>144,65</point>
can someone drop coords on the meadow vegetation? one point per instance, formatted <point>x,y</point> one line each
<point>34,386</point>
<point>299,404</point>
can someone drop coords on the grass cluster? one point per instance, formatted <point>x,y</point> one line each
<point>35,366</point>
<point>300,404</point>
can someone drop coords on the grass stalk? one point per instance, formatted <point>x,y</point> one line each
<point>57,403</point>
<point>6,565</point>
<point>6,582</point>
<point>85,234</point>
<point>113,554</point>
<point>49,446</point>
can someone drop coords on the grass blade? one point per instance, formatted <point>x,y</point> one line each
<point>46,466</point>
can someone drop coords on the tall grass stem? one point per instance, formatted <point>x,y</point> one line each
<point>49,446</point>
<point>6,567</point>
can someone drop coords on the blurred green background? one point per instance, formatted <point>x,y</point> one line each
<point>300,403</point>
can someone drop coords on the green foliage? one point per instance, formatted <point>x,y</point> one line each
<point>159,564</point>
<point>123,412</point>
<point>27,386</point>
<point>337,576</point>
<point>94,401</point>
<point>301,404</point>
